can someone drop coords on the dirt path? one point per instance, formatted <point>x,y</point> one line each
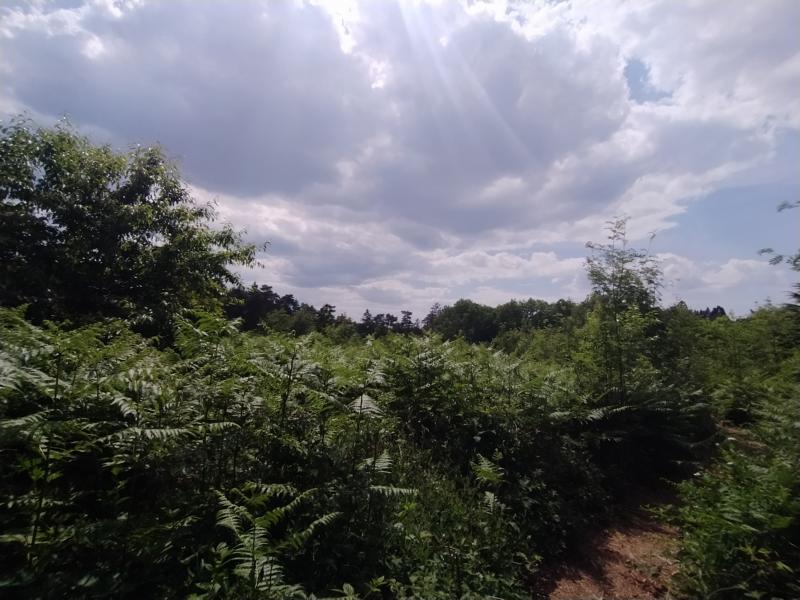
<point>632,558</point>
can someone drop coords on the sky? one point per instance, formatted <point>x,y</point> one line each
<point>397,154</point>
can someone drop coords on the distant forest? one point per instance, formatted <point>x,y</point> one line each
<point>259,306</point>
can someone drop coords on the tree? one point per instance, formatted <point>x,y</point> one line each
<point>625,282</point>
<point>623,276</point>
<point>251,304</point>
<point>326,316</point>
<point>711,313</point>
<point>367,325</point>
<point>470,320</point>
<point>86,231</point>
<point>406,324</point>
<point>432,315</point>
<point>384,323</point>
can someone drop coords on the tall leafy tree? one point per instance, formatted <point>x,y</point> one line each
<point>86,231</point>
<point>625,282</point>
<point>470,320</point>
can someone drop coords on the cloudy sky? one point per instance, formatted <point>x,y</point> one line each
<point>399,154</point>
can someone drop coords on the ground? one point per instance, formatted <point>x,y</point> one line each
<point>631,558</point>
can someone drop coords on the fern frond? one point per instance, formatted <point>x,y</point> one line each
<point>491,504</point>
<point>270,490</point>
<point>27,422</point>
<point>13,375</point>
<point>269,574</point>
<point>560,415</point>
<point>125,406</point>
<point>229,515</point>
<point>486,471</point>
<point>365,405</point>
<point>162,434</point>
<point>297,540</point>
<point>595,414</point>
<point>215,427</point>
<point>278,514</point>
<point>381,464</point>
<point>392,492</point>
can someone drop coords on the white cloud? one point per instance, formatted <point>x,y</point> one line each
<point>416,151</point>
<point>736,271</point>
<point>711,282</point>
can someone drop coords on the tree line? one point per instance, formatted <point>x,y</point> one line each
<point>262,307</point>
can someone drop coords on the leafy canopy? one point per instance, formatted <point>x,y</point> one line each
<point>86,231</point>
<point>622,276</point>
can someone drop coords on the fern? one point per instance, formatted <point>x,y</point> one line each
<point>365,405</point>
<point>389,491</point>
<point>486,472</point>
<point>162,434</point>
<point>296,540</point>
<point>27,424</point>
<point>380,465</point>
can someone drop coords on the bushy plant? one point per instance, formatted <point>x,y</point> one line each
<point>741,517</point>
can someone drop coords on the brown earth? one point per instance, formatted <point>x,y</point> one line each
<point>631,558</point>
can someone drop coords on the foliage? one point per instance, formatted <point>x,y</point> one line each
<point>265,448</point>
<point>479,323</point>
<point>115,449</point>
<point>87,232</point>
<point>741,518</point>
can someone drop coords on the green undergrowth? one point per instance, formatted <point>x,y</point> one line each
<point>245,465</point>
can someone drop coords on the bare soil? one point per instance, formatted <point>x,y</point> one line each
<point>631,558</point>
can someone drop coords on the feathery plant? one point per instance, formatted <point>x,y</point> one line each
<point>253,555</point>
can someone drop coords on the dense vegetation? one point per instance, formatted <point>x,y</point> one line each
<point>167,432</point>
